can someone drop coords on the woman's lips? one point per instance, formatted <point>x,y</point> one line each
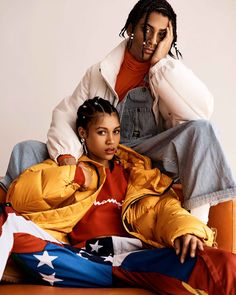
<point>110,151</point>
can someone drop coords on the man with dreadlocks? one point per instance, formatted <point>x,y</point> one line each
<point>164,110</point>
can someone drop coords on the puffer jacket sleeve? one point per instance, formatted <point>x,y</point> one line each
<point>62,135</point>
<point>181,95</point>
<point>159,221</point>
<point>42,187</point>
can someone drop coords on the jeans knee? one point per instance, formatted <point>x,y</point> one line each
<point>28,145</point>
<point>202,126</point>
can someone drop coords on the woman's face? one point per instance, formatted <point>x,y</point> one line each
<point>102,138</point>
<point>155,32</point>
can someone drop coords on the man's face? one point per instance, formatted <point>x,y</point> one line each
<point>155,32</point>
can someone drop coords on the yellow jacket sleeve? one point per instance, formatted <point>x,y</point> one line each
<point>160,220</point>
<point>42,187</point>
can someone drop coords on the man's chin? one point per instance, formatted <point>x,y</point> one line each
<point>146,58</point>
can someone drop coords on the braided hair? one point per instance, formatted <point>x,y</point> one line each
<point>145,8</point>
<point>91,109</point>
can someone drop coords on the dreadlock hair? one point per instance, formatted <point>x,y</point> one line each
<point>145,8</point>
<point>91,109</point>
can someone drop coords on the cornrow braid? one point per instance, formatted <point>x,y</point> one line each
<point>145,8</point>
<point>91,108</point>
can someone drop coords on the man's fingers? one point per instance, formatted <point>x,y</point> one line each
<point>67,161</point>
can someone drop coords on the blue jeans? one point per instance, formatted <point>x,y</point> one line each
<point>24,155</point>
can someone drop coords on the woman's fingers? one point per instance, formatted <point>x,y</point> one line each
<point>187,244</point>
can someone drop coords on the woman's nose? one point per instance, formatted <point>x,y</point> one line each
<point>110,138</point>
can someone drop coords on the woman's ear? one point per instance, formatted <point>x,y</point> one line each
<point>129,30</point>
<point>82,132</point>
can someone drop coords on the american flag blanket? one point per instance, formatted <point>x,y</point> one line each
<point>113,261</point>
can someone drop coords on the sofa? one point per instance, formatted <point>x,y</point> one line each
<point>222,218</point>
<point>41,290</point>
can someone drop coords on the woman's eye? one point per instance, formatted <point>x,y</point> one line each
<point>117,132</point>
<point>101,132</point>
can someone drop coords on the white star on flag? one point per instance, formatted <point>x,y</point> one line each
<point>108,258</point>
<point>95,247</point>
<point>50,278</point>
<point>45,259</point>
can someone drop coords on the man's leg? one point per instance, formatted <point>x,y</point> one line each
<point>192,152</point>
<point>24,155</point>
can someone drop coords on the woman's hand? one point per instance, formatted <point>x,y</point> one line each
<point>163,47</point>
<point>187,244</point>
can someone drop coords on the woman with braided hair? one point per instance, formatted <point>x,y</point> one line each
<point>110,220</point>
<point>164,110</point>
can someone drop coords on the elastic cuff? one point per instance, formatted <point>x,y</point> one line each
<point>62,157</point>
<point>211,198</point>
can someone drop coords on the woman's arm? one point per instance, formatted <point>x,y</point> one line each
<point>162,220</point>
<point>42,187</point>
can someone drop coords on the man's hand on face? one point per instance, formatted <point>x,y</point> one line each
<point>163,47</point>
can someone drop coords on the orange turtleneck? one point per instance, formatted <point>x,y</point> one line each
<point>131,74</point>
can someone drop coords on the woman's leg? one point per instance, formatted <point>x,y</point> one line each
<point>211,272</point>
<point>47,260</point>
<point>24,155</point>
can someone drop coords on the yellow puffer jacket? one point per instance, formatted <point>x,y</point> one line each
<point>47,195</point>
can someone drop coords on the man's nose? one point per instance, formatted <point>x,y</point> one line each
<point>152,40</point>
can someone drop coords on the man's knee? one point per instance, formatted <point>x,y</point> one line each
<point>28,146</point>
<point>199,124</point>
<point>202,127</point>
<point>26,154</point>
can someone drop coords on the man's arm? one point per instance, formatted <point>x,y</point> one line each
<point>62,135</point>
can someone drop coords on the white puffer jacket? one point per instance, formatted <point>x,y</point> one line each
<point>178,94</point>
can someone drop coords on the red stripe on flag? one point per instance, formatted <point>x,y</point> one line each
<point>26,243</point>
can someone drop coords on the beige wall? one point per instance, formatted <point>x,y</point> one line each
<point>46,46</point>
